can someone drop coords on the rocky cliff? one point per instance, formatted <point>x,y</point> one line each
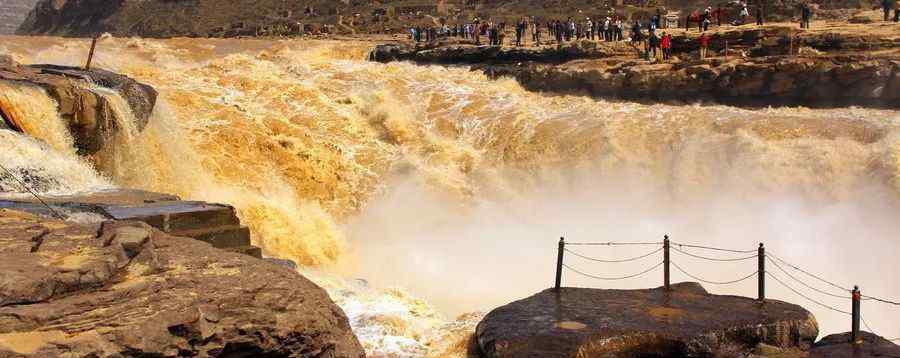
<point>89,113</point>
<point>13,13</point>
<point>684,322</point>
<point>126,289</point>
<point>832,81</point>
<point>837,65</point>
<point>166,18</point>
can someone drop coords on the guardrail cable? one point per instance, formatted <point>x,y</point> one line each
<point>712,258</point>
<point>804,283</point>
<point>864,297</point>
<point>613,261</point>
<point>612,278</point>
<point>709,281</point>
<point>612,243</point>
<point>713,248</point>
<point>769,254</point>
<point>805,296</point>
<point>880,300</point>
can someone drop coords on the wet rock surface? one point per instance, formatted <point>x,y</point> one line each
<point>839,346</point>
<point>90,115</point>
<point>127,289</point>
<point>687,321</point>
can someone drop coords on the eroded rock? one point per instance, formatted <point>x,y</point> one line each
<point>124,289</point>
<point>90,114</point>
<point>685,322</point>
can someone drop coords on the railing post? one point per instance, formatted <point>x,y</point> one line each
<point>854,333</point>
<point>761,273</point>
<point>559,263</point>
<point>87,66</point>
<point>666,262</point>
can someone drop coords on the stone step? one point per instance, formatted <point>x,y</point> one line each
<point>176,216</point>
<point>220,237</point>
<point>247,250</point>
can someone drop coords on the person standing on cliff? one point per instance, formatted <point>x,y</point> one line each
<point>887,5</point>
<point>805,16</point>
<point>706,20</point>
<point>570,31</point>
<point>476,28</point>
<point>653,47</point>
<point>720,13</point>
<point>620,30</point>
<point>557,32</point>
<point>590,28</point>
<point>666,46</point>
<point>759,14</point>
<point>704,45</point>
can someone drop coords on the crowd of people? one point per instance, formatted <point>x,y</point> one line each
<point>612,28</point>
<point>494,33</point>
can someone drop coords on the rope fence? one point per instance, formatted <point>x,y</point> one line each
<point>788,273</point>
<point>614,261</point>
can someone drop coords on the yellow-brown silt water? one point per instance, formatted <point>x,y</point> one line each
<point>416,193</point>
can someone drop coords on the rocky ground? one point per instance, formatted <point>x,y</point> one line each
<point>13,13</point>
<point>90,115</point>
<point>688,321</point>
<point>834,64</point>
<point>684,322</point>
<point>126,289</point>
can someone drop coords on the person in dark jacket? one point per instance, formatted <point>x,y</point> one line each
<point>887,5</point>
<point>805,16</point>
<point>759,14</point>
<point>653,49</point>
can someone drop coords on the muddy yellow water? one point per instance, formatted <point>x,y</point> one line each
<point>416,193</point>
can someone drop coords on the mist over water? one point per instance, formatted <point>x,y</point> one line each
<point>456,188</point>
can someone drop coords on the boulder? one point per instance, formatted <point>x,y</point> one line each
<point>126,289</point>
<point>89,113</point>
<point>839,346</point>
<point>684,322</point>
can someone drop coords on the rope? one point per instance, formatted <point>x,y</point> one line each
<point>864,297</point>
<point>713,282</point>
<point>804,296</point>
<point>714,248</point>
<point>612,243</point>
<point>881,300</point>
<point>714,259</point>
<point>863,319</point>
<point>804,283</point>
<point>55,213</point>
<point>613,278</point>
<point>809,274</point>
<point>613,261</point>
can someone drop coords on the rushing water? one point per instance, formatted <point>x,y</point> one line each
<point>445,192</point>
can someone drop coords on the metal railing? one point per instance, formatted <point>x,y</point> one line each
<point>667,247</point>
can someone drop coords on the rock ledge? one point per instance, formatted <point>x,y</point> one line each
<point>687,321</point>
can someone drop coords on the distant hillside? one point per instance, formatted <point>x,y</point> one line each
<point>12,14</point>
<point>225,18</point>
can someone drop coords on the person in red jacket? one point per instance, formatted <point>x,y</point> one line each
<point>704,45</point>
<point>666,46</point>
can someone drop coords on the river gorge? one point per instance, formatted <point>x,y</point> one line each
<point>416,194</point>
